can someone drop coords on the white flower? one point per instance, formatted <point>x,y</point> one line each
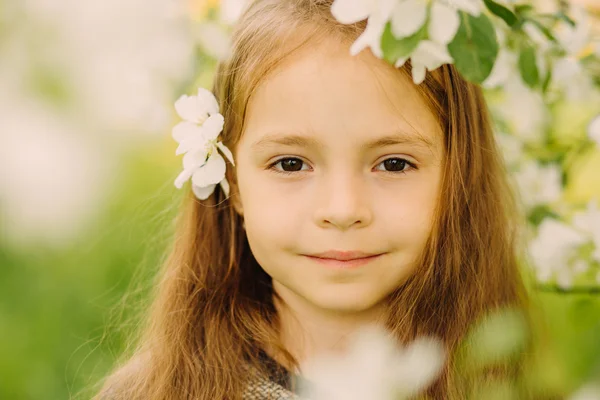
<point>581,266</point>
<point>391,370</point>
<point>564,278</point>
<point>511,147</point>
<point>574,39</point>
<point>591,391</point>
<point>569,75</point>
<point>504,67</point>
<point>378,13</point>
<point>539,184</point>
<point>407,17</point>
<point>427,56</point>
<point>232,10</point>
<point>594,130</point>
<point>214,38</point>
<point>198,108</point>
<point>524,110</point>
<point>589,223</point>
<point>197,138</point>
<point>556,243</point>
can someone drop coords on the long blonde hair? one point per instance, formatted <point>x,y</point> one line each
<point>213,310</point>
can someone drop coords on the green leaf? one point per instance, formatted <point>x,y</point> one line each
<point>566,18</point>
<point>528,66</point>
<point>523,8</point>
<point>547,80</point>
<point>499,10</point>
<point>543,29</point>
<point>474,48</point>
<point>394,48</point>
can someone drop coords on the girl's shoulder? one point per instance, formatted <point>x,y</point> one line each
<point>262,388</point>
<point>276,384</point>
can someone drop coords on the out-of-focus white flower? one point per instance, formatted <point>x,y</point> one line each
<point>581,266</point>
<point>575,38</point>
<point>512,148</point>
<point>594,129</point>
<point>232,10</point>
<point>427,56</point>
<point>589,222</point>
<point>53,180</point>
<point>119,59</point>
<point>555,245</point>
<point>374,368</point>
<point>569,75</point>
<point>564,278</point>
<point>214,39</point>
<point>567,72</point>
<point>539,184</point>
<point>588,392</point>
<point>524,110</point>
<point>504,67</point>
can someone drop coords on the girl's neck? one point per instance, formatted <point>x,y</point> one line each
<point>307,331</point>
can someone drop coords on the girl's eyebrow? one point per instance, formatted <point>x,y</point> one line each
<point>405,138</point>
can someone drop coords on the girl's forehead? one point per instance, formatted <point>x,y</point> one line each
<point>322,88</point>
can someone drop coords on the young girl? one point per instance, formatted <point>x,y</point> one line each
<point>357,197</point>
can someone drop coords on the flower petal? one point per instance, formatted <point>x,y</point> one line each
<point>226,151</point>
<point>210,173</point>
<point>213,126</point>
<point>432,54</point>
<point>351,11</point>
<point>400,62</point>
<point>225,186</point>
<point>203,192</point>
<point>503,66</point>
<point>419,364</point>
<point>185,130</point>
<point>207,101</point>
<point>183,177</point>
<point>418,72</point>
<point>408,16</point>
<point>187,108</point>
<point>443,24</point>
<point>473,7</point>
<point>191,144</point>
<point>594,130</point>
<point>371,37</point>
<point>194,159</point>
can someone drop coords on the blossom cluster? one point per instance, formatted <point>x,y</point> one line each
<point>197,136</point>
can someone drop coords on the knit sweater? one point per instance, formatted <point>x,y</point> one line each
<point>276,386</point>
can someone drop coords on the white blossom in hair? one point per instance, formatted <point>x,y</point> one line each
<point>407,18</point>
<point>197,136</point>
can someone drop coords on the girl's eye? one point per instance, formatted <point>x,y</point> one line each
<point>396,164</point>
<point>288,165</point>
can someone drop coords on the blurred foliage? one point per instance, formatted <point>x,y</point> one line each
<point>61,312</point>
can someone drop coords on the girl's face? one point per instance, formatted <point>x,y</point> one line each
<point>339,153</point>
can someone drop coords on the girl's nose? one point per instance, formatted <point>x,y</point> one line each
<point>342,202</point>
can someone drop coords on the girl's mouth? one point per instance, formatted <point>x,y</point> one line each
<point>344,263</point>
